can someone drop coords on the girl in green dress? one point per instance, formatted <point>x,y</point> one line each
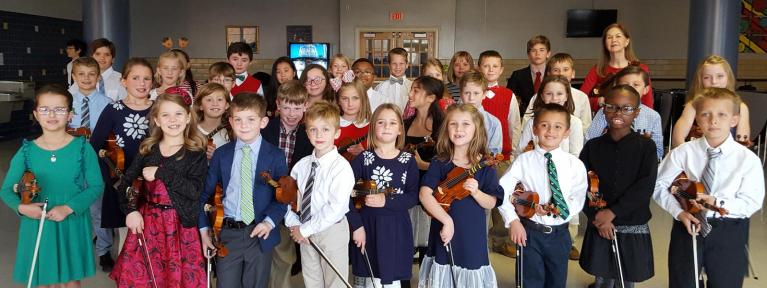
<point>68,175</point>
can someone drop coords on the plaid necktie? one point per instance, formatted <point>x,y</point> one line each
<point>85,118</point>
<point>708,178</point>
<point>556,192</point>
<point>246,187</point>
<point>307,201</point>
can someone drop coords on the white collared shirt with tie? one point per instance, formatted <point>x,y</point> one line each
<point>331,192</point>
<point>389,92</point>
<point>530,169</point>
<point>738,185</point>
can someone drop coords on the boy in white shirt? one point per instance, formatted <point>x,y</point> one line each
<point>325,182</point>
<point>395,89</point>
<point>733,179</point>
<point>110,83</point>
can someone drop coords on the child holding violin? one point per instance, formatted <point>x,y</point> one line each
<point>67,174</point>
<point>250,209</point>
<point>625,191</point>
<point>163,247</point>
<point>355,112</point>
<point>718,217</point>
<point>287,132</point>
<point>378,216</point>
<point>128,121</point>
<point>458,237</point>
<point>559,180</point>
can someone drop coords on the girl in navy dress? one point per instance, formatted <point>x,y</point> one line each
<point>127,120</point>
<point>381,227</point>
<point>462,143</point>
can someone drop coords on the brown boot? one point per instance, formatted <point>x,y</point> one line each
<point>574,254</point>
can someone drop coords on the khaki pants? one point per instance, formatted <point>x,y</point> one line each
<point>334,241</point>
<point>283,257</point>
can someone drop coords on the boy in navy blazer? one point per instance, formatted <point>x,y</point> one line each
<point>250,208</point>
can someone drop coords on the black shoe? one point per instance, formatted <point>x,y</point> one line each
<point>106,263</point>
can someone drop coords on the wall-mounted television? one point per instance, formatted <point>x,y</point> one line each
<point>303,54</point>
<point>589,22</point>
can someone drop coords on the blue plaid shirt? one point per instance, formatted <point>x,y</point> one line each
<point>647,121</point>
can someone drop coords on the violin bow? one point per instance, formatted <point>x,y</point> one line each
<point>520,269</point>
<point>210,266</point>
<point>142,244</point>
<point>449,248</point>
<point>695,254</point>
<point>322,254</point>
<point>37,243</point>
<point>370,267</point>
<point>616,251</point>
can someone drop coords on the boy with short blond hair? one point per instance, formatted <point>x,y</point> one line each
<point>500,101</point>
<point>733,178</point>
<point>325,182</point>
<point>396,88</point>
<point>250,207</point>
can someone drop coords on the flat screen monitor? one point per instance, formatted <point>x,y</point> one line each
<point>303,54</point>
<point>589,22</point>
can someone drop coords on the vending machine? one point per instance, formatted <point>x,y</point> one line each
<point>303,54</point>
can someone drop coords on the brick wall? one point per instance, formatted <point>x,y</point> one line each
<point>666,73</point>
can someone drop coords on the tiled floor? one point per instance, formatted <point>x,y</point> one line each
<point>504,267</point>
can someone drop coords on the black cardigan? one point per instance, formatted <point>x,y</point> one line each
<point>184,179</point>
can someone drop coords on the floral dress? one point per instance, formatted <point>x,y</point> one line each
<point>130,127</point>
<point>388,231</point>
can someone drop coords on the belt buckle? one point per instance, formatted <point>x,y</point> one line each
<point>547,229</point>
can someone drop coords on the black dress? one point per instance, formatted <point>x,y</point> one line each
<point>627,171</point>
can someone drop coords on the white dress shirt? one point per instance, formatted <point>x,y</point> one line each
<point>515,124</point>
<point>739,178</point>
<point>113,86</point>
<point>388,92</point>
<point>572,144</point>
<point>580,101</point>
<point>333,184</point>
<point>530,169</point>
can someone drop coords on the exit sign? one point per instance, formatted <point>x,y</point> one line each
<point>395,16</point>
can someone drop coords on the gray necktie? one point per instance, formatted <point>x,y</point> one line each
<point>307,201</point>
<point>709,177</point>
<point>85,119</point>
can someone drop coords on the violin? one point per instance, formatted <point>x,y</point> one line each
<point>367,187</point>
<point>686,192</point>
<point>526,202</point>
<point>27,187</point>
<point>216,214</point>
<point>451,189</point>
<point>82,131</point>
<point>595,198</point>
<point>530,146</point>
<point>285,189</point>
<point>133,192</point>
<point>346,143</point>
<point>427,143</point>
<point>114,157</point>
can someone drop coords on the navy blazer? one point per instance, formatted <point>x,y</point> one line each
<point>271,159</point>
<point>521,83</point>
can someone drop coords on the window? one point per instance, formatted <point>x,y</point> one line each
<point>247,34</point>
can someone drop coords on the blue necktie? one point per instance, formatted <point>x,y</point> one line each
<point>101,86</point>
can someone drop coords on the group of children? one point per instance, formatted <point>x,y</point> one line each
<point>372,166</point>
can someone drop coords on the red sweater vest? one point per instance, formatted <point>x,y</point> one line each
<point>498,106</point>
<point>250,85</point>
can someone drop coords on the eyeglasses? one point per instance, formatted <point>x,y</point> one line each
<point>222,81</point>
<point>626,110</point>
<point>56,110</point>
<point>315,81</point>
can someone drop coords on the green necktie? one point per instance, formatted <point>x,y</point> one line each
<point>556,192</point>
<point>246,187</point>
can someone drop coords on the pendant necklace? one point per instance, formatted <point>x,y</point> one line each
<point>53,157</point>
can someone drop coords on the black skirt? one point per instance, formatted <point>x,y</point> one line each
<point>598,259</point>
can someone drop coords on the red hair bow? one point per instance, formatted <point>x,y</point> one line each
<point>182,92</point>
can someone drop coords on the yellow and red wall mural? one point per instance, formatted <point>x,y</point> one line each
<point>753,27</point>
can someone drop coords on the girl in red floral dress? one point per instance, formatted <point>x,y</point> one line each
<point>162,217</point>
